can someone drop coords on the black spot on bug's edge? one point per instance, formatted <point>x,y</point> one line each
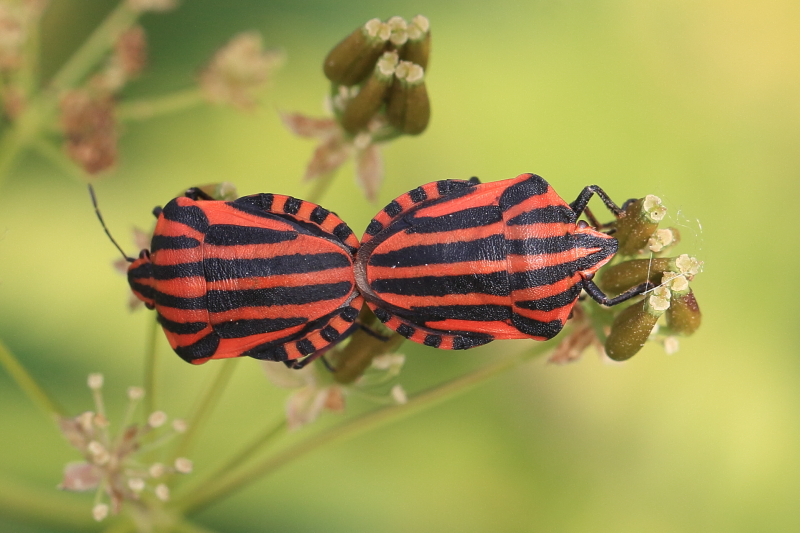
<point>292,205</point>
<point>205,347</point>
<point>268,353</point>
<point>319,214</point>
<point>329,334</point>
<point>418,195</point>
<point>342,231</point>
<point>536,328</point>
<point>306,347</point>
<point>382,314</point>
<point>433,340</point>
<point>405,330</point>
<point>393,209</point>
<point>349,314</point>
<point>261,201</point>
<point>374,228</point>
<point>519,192</point>
<point>462,342</point>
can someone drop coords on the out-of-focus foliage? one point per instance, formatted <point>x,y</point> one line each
<point>695,102</point>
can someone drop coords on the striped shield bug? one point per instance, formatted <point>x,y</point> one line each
<point>267,276</point>
<point>456,264</point>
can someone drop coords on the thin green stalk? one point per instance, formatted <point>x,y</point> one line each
<point>203,407</point>
<point>188,527</point>
<point>321,186</point>
<point>49,508</point>
<point>151,367</point>
<point>161,105</point>
<point>29,74</point>
<point>95,47</point>
<point>248,452</point>
<point>28,385</point>
<point>52,153</point>
<point>196,501</point>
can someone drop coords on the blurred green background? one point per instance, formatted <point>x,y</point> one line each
<point>695,101</point>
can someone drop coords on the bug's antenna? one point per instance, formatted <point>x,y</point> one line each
<point>103,223</point>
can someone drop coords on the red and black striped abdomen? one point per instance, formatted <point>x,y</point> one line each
<point>455,264</point>
<point>267,276</point>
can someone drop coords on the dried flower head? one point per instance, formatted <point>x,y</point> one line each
<point>13,33</point>
<point>90,130</point>
<point>239,70</point>
<point>112,464</point>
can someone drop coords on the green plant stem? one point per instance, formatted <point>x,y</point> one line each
<point>188,527</point>
<point>161,105</point>
<point>212,494</point>
<point>28,385</point>
<point>48,508</point>
<point>52,153</point>
<point>151,367</point>
<point>203,407</point>
<point>321,186</point>
<point>95,47</point>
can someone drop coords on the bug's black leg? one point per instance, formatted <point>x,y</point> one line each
<point>600,297</point>
<point>195,193</point>
<point>579,205</point>
<point>475,180</point>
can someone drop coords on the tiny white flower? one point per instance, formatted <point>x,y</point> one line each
<point>95,381</point>
<point>162,492</point>
<point>671,345</point>
<point>100,512</point>
<point>157,419</point>
<point>136,484</point>
<point>183,465</point>
<point>135,393</point>
<point>156,470</point>
<point>180,425</point>
<point>399,394</point>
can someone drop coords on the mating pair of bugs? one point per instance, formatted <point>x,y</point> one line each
<point>452,264</point>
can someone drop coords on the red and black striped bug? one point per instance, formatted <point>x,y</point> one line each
<point>267,276</point>
<point>456,264</point>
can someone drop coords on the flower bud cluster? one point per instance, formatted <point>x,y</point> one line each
<point>377,94</point>
<point>639,260</point>
<point>113,465</point>
<point>378,77</point>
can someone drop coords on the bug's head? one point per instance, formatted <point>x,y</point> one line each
<point>594,248</point>
<point>140,278</point>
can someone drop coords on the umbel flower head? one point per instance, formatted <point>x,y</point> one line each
<point>112,464</point>
<point>377,94</point>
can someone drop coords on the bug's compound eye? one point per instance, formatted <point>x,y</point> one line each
<point>157,211</point>
<point>582,224</point>
<point>144,254</point>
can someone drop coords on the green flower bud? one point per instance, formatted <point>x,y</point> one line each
<point>683,315</point>
<point>418,48</point>
<point>363,106</point>
<point>633,326</point>
<point>409,109</point>
<point>639,223</point>
<point>618,278</point>
<point>351,60</point>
